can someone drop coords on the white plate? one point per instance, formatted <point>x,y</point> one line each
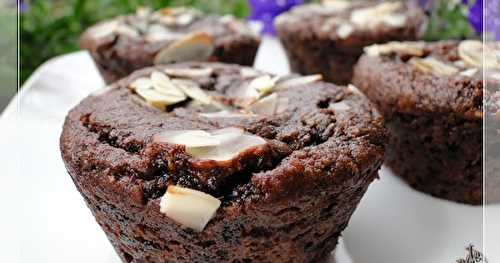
<point>46,219</point>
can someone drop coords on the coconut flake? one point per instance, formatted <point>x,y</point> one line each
<point>188,207</point>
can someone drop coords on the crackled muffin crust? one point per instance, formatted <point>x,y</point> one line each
<point>431,96</point>
<point>285,201</point>
<point>127,43</point>
<point>328,37</point>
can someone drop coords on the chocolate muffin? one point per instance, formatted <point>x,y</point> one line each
<point>207,162</point>
<point>127,43</point>
<point>431,96</point>
<point>328,38</point>
<point>492,142</point>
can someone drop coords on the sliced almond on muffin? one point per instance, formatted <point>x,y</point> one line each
<point>189,207</point>
<point>218,145</point>
<point>432,65</point>
<point>196,46</point>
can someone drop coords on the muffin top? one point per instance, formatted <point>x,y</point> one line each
<point>354,21</point>
<point>436,77</point>
<point>232,132</point>
<point>166,35</point>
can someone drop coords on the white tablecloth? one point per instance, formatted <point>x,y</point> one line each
<point>44,219</point>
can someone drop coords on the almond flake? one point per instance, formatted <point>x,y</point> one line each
<point>189,72</point>
<point>394,20</point>
<point>157,99</point>
<point>218,145</point>
<point>469,72</point>
<point>226,114</point>
<point>247,73</point>
<point>432,65</point>
<point>492,55</point>
<point>230,150</point>
<point>263,84</point>
<point>126,30</point>
<point>104,29</point>
<point>355,90</point>
<point>298,81</point>
<point>257,88</point>
<point>192,89</point>
<point>337,5</point>
<point>471,52</point>
<point>407,48</point>
<point>157,33</point>
<point>197,46</point>
<point>188,138</point>
<point>371,17</point>
<point>163,84</point>
<point>266,105</point>
<point>188,207</point>
<point>344,30</point>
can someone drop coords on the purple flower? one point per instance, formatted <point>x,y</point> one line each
<point>476,15</point>
<point>492,18</point>
<point>21,5</point>
<point>426,4</point>
<point>266,10</point>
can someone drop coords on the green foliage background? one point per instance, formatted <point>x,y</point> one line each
<point>52,27</point>
<point>8,54</point>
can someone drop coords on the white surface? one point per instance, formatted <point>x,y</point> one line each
<point>44,219</point>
